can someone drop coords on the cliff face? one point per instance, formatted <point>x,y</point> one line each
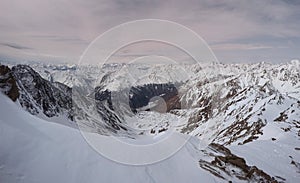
<point>8,83</point>
<point>39,95</point>
<point>35,94</point>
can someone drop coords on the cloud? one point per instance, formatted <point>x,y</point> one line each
<point>65,27</point>
<point>238,46</point>
<point>68,39</point>
<point>15,46</point>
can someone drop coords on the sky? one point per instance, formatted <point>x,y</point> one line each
<point>235,30</point>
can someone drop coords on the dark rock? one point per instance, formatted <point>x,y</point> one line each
<point>141,95</point>
<point>8,83</point>
<point>39,95</point>
<point>229,165</point>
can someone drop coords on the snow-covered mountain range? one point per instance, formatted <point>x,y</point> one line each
<point>248,115</point>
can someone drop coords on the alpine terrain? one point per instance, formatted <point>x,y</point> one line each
<point>241,122</point>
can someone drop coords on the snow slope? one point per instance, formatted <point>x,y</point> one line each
<point>33,150</point>
<point>275,157</point>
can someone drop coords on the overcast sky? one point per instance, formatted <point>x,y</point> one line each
<point>236,30</point>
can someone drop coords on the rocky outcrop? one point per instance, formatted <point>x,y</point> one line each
<point>8,84</point>
<point>227,166</point>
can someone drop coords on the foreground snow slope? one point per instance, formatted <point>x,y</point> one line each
<point>279,157</point>
<point>33,150</point>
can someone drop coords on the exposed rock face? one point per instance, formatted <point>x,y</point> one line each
<point>39,95</point>
<point>64,88</point>
<point>140,96</point>
<point>8,83</point>
<point>226,165</point>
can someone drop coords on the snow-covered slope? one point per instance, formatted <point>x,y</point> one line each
<point>34,150</point>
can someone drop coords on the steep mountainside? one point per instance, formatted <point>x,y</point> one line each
<point>36,94</point>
